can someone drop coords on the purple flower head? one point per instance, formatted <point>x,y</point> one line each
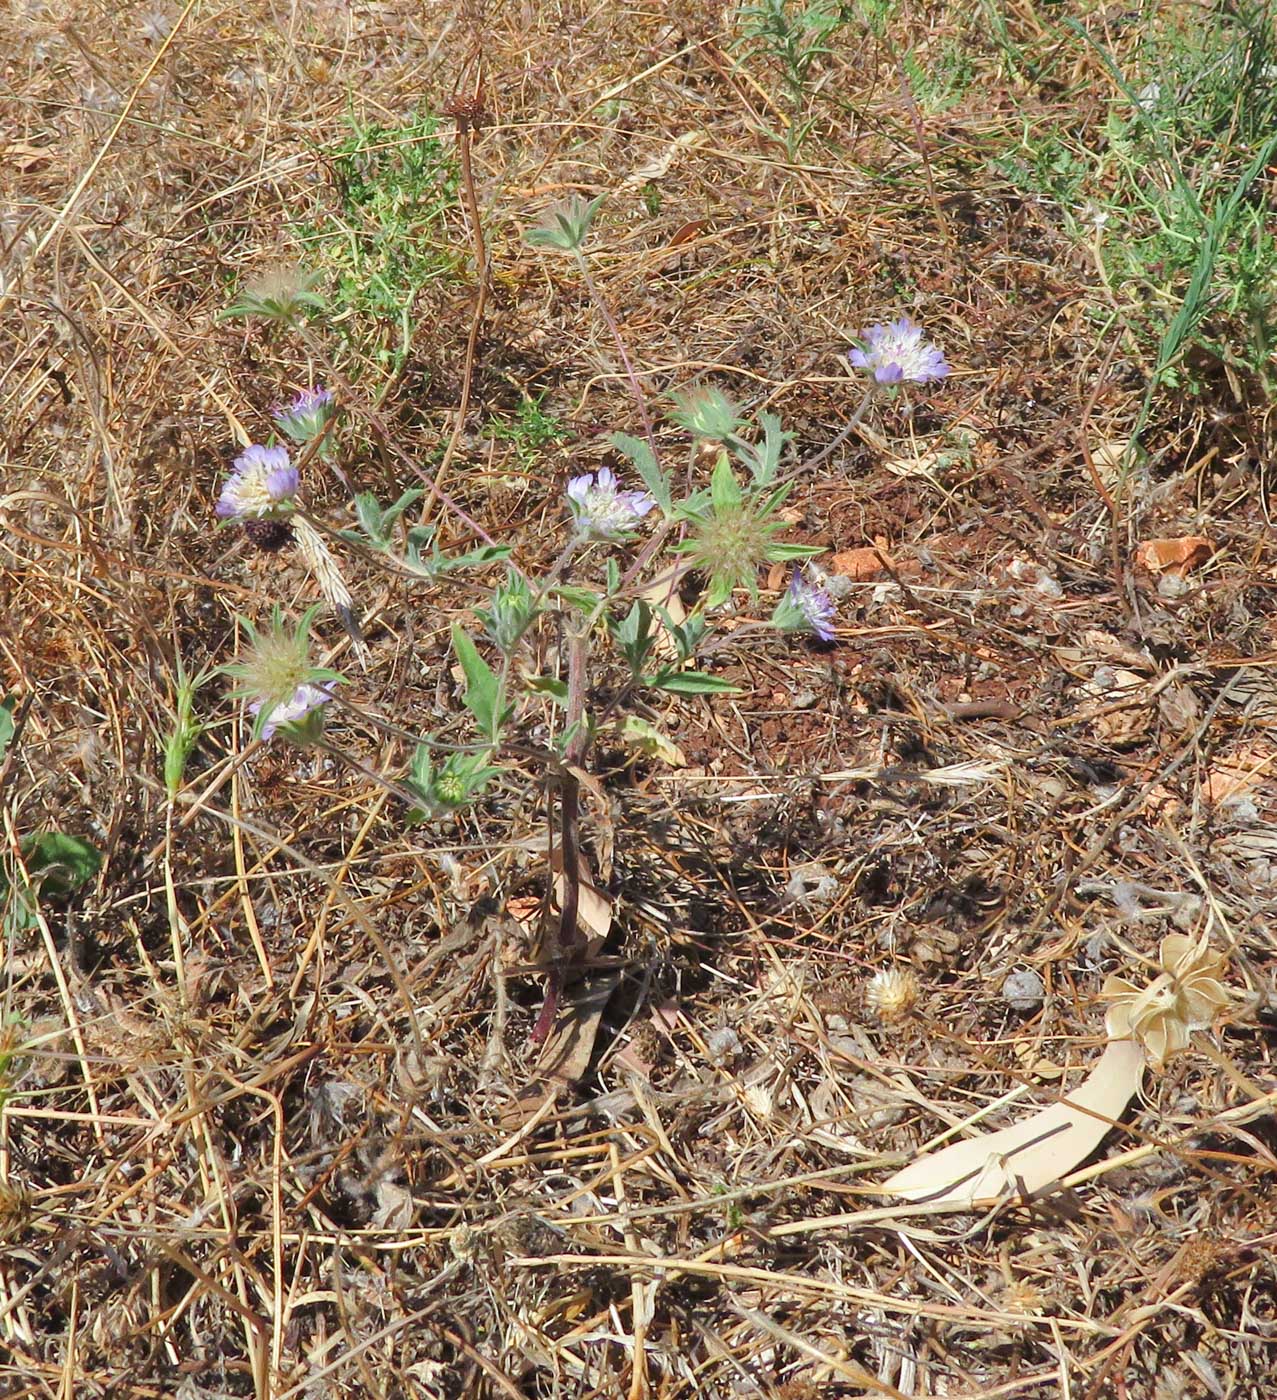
<point>262,483</point>
<point>301,715</point>
<point>897,352</point>
<point>601,511</point>
<point>307,416</point>
<point>806,607</point>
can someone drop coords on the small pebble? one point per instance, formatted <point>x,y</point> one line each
<point>1022,991</point>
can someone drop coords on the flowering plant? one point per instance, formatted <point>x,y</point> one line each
<point>895,353</point>
<point>652,563</point>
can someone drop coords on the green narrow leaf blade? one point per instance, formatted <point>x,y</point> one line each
<point>483,689</point>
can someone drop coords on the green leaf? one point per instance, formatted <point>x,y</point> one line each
<point>581,598</point>
<point>765,461</point>
<point>483,689</point>
<point>717,592</point>
<point>6,723</point>
<point>633,634</point>
<point>724,489</point>
<point>475,558</point>
<point>548,685</point>
<point>368,513</point>
<point>691,683</point>
<point>63,863</point>
<point>778,553</point>
<point>419,537</point>
<point>566,226</point>
<point>687,635</point>
<point>644,462</point>
<point>392,513</point>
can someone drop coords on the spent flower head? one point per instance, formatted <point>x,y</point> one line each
<point>708,413</point>
<point>1185,997</point>
<point>892,992</point>
<point>281,294</point>
<point>601,510</point>
<point>805,607</point>
<point>565,226</point>
<point>731,535</point>
<point>896,352</point>
<point>262,485</point>
<point>306,416</point>
<point>285,691</point>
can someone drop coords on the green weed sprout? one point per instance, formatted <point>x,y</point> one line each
<point>185,733</point>
<point>791,39</point>
<point>566,226</point>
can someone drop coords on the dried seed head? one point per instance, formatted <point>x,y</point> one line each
<point>1024,1298</point>
<point>891,993</point>
<point>268,535</point>
<point>1186,997</point>
<point>15,1208</point>
<point>464,1243</point>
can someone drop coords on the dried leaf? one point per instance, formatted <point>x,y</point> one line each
<point>1240,774</point>
<point>1027,1157</point>
<point>565,1056</point>
<point>1108,458</point>
<point>1174,556</point>
<point>660,167</point>
<point>24,157</point>
<point>593,911</point>
<point>540,926</point>
<point>637,733</point>
<point>871,561</point>
<point>686,232</point>
<point>394,1206</point>
<point>1124,715</point>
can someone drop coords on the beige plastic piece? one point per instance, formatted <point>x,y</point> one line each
<point>1027,1157</point>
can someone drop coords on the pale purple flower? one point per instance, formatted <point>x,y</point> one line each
<point>262,483</point>
<point>307,416</point>
<point>306,701</point>
<point>897,352</point>
<point>603,512</point>
<point>806,607</point>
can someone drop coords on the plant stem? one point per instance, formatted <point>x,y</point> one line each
<point>636,388</point>
<point>569,941</point>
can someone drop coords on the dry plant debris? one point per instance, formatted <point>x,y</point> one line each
<point>272,1118</point>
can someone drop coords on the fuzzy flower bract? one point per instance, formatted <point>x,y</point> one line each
<point>286,693</point>
<point>298,715</point>
<point>306,416</point>
<point>262,484</point>
<point>896,352</point>
<point>602,511</point>
<point>805,607</point>
<point>731,535</point>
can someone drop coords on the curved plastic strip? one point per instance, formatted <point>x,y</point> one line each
<point>1027,1157</point>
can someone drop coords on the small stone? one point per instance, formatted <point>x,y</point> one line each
<point>1023,991</point>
